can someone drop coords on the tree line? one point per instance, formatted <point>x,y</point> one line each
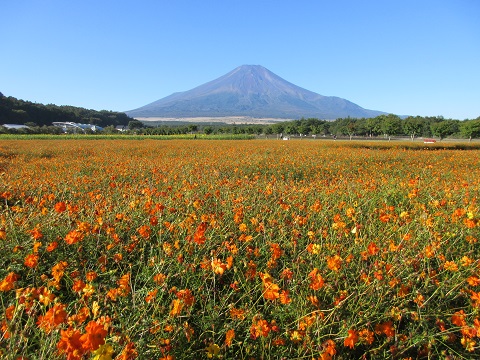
<point>16,111</point>
<point>385,126</point>
<point>39,118</point>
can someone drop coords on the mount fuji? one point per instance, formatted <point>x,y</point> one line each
<point>254,91</point>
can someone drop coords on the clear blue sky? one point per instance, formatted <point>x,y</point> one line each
<point>408,57</point>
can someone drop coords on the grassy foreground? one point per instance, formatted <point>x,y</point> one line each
<point>248,249</point>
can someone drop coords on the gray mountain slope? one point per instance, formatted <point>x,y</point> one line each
<point>251,90</point>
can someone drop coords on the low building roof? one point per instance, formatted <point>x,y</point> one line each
<point>15,126</point>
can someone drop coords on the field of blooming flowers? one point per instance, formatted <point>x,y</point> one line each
<point>268,249</point>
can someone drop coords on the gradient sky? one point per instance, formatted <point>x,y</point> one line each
<point>407,57</point>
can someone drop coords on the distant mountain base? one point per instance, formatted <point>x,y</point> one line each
<point>230,120</point>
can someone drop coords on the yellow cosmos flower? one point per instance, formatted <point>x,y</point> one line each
<point>104,352</point>
<point>213,350</point>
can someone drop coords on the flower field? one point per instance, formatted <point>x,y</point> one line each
<point>259,249</point>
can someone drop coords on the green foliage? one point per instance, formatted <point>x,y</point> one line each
<point>135,124</point>
<point>16,111</point>
<point>471,129</point>
<point>208,130</point>
<point>444,128</point>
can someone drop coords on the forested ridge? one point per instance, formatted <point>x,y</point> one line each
<point>16,111</point>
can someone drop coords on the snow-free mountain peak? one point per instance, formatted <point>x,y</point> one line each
<point>251,90</point>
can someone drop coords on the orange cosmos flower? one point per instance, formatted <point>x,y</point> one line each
<point>351,339</point>
<point>177,307</point>
<point>70,344</point>
<point>287,274</point>
<point>366,336</point>
<point>78,286</point>
<point>229,262</point>
<point>276,251</point>
<point>218,267</point>
<point>52,246</point>
<point>60,207</point>
<point>270,290</point>
<point>80,316</point>
<point>476,299</point>
<point>329,350</point>
<point>4,330</point>
<point>153,220</point>
<point>466,261</point>
<point>313,300</point>
<point>94,336</point>
<point>385,328</point>
<point>36,233</point>
<point>285,297</point>
<point>91,276</point>
<point>128,352</point>
<point>470,223</point>
<point>242,227</point>
<point>252,270</point>
<point>314,248</point>
<point>58,270</point>
<point>259,328</point>
<point>470,239</point>
<point>145,231</point>
<point>296,336</point>
<point>372,248</point>
<point>73,237</point>
<point>124,285</point>
<point>199,236</point>
<point>9,282</point>
<point>450,266</point>
<point>151,295</point>
<point>429,251</point>
<point>159,278</point>
<point>238,314</point>
<point>473,281</point>
<point>316,280</point>
<point>52,318</point>
<point>9,312</point>
<point>385,218</point>
<point>36,246</point>
<point>230,335</point>
<point>186,296</point>
<point>334,263</point>
<point>112,294</point>
<point>31,261</point>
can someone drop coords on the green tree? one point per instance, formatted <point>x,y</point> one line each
<point>373,126</point>
<point>110,130</point>
<point>19,116</point>
<point>413,126</point>
<point>346,126</point>
<point>291,128</point>
<point>304,128</point>
<point>278,128</point>
<point>470,128</point>
<point>192,128</point>
<point>135,124</point>
<point>444,128</point>
<point>391,125</point>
